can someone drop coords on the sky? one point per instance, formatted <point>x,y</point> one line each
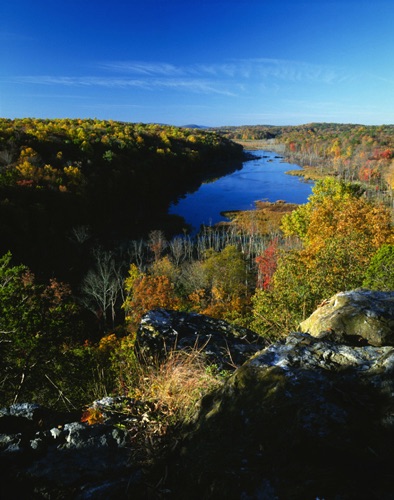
<point>205,62</point>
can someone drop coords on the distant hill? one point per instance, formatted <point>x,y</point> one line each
<point>195,126</point>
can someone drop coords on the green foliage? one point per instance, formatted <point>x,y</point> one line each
<point>226,270</point>
<point>380,273</point>
<point>280,309</point>
<point>36,326</point>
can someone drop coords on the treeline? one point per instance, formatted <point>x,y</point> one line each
<point>114,179</point>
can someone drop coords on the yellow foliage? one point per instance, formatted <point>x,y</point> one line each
<point>28,153</point>
<point>389,176</point>
<point>27,170</point>
<point>108,343</point>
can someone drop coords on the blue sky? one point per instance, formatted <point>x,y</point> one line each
<point>207,62</point>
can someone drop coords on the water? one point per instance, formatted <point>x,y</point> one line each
<point>261,179</point>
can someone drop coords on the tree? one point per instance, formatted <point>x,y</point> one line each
<point>226,291</point>
<point>267,264</point>
<point>157,243</point>
<point>145,292</point>
<point>297,222</point>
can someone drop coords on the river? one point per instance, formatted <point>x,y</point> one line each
<point>263,178</point>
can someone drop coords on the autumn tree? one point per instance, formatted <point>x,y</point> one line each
<point>297,222</point>
<point>145,292</point>
<point>340,231</point>
<point>267,264</point>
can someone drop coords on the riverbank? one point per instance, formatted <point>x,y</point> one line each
<point>311,173</point>
<point>264,144</point>
<point>308,172</point>
<point>264,219</point>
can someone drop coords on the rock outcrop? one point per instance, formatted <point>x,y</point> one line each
<point>228,346</point>
<point>310,417</point>
<point>48,454</point>
<point>305,418</point>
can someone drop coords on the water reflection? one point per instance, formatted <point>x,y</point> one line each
<point>261,179</point>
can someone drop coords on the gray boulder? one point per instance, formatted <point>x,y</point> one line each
<point>355,317</point>
<point>226,345</point>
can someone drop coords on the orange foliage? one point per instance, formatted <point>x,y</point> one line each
<point>92,416</point>
<point>149,292</point>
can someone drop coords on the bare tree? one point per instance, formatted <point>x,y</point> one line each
<point>137,253</point>
<point>81,234</point>
<point>6,157</point>
<point>177,249</point>
<point>157,243</point>
<point>102,286</point>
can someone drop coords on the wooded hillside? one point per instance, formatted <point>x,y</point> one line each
<point>65,179</point>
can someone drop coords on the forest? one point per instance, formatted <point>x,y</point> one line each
<point>62,180</point>
<point>350,151</point>
<point>88,248</point>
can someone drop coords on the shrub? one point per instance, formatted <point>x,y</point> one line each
<point>380,273</point>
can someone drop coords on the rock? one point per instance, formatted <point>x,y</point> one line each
<point>304,418</point>
<point>70,460</point>
<point>226,345</point>
<point>355,317</point>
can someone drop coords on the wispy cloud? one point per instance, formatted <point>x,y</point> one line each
<point>291,71</point>
<point>143,68</point>
<point>241,69</point>
<point>235,78</point>
<point>190,85</point>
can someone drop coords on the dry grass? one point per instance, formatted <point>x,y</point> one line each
<point>312,173</point>
<point>265,219</point>
<point>178,383</point>
<point>165,395</point>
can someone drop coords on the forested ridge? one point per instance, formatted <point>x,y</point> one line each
<point>95,194</point>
